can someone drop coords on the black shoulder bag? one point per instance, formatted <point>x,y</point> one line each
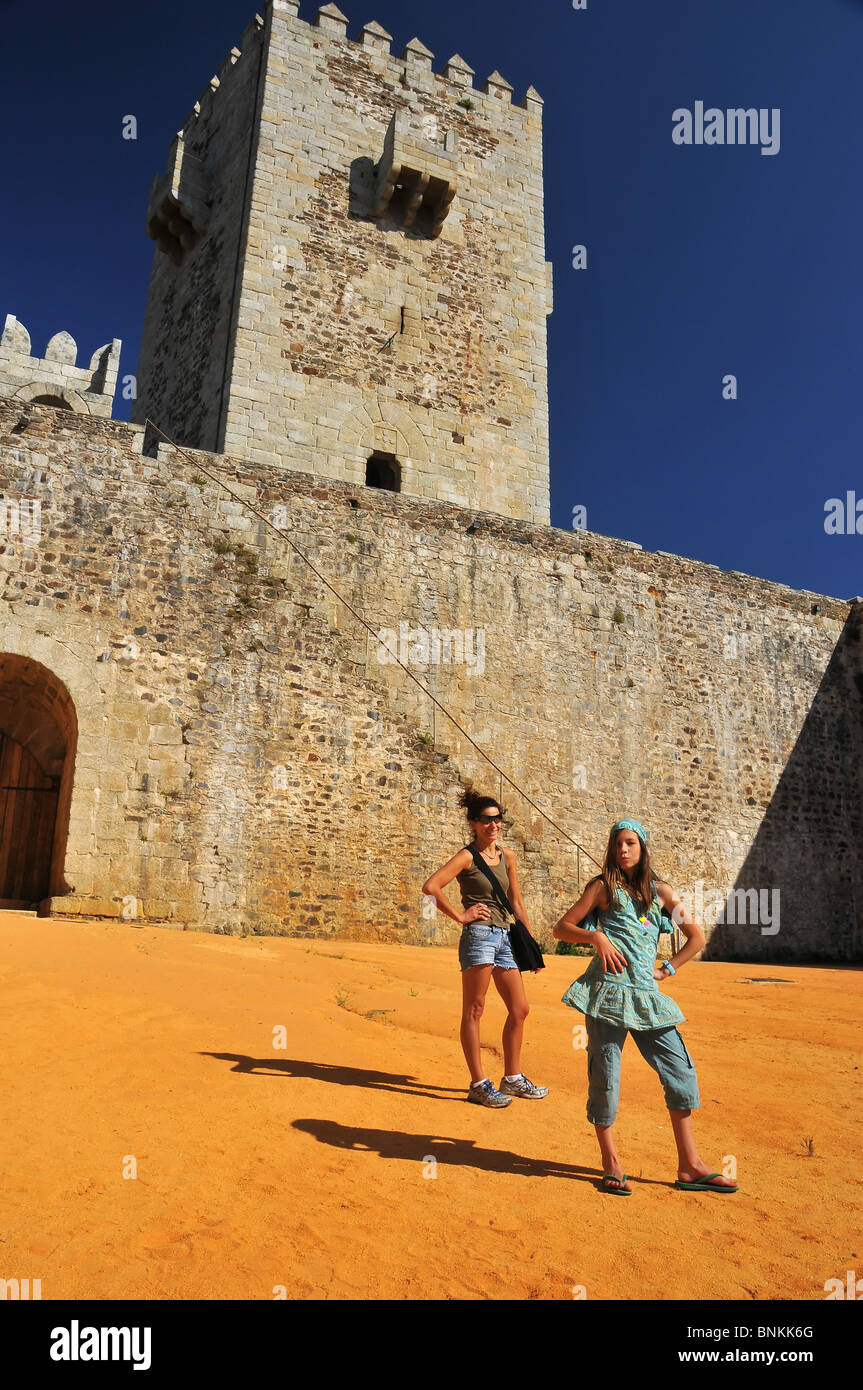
<point>526,953</point>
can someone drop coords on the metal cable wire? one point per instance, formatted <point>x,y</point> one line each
<point>196,463</point>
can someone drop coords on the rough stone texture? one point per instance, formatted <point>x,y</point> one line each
<point>245,761</point>
<point>184,365</point>
<point>350,260</point>
<point>305,332</point>
<point>55,378</point>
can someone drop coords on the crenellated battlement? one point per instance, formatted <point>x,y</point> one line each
<point>412,69</point>
<point>234,62</point>
<point>55,379</point>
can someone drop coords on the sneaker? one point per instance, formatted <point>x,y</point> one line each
<point>522,1087</point>
<point>487,1095</point>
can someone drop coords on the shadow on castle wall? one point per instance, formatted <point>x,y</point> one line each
<point>814,822</point>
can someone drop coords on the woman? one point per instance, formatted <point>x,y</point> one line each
<point>618,994</point>
<point>484,951</point>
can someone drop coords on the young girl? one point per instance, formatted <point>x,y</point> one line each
<point>618,994</point>
<point>484,951</point>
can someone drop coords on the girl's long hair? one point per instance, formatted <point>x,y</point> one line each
<point>641,885</point>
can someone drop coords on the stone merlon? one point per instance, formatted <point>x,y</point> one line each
<point>55,379</point>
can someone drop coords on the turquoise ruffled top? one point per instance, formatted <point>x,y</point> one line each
<point>631,999</point>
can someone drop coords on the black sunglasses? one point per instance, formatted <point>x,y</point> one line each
<point>489,820</point>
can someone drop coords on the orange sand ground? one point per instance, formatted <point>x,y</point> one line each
<point>304,1167</point>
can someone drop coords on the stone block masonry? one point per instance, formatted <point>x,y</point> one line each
<point>346,323</point>
<point>243,760</point>
<point>198,216</point>
<point>357,268</point>
<point>55,379</point>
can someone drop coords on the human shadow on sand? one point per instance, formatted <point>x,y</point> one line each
<point>419,1148</point>
<point>338,1075</point>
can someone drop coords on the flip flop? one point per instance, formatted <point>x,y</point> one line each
<point>704,1184</point>
<point>615,1191</point>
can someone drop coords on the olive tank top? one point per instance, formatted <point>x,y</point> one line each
<point>475,888</point>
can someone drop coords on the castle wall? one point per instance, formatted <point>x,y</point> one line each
<point>248,758</point>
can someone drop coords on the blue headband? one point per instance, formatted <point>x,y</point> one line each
<point>631,825</point>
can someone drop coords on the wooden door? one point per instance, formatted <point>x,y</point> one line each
<point>28,814</point>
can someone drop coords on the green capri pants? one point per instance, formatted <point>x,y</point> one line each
<point>663,1048</point>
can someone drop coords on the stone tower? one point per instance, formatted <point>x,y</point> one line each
<point>350,277</point>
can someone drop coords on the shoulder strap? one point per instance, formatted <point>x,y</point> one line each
<point>484,868</point>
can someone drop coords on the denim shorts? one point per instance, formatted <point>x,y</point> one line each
<point>482,944</point>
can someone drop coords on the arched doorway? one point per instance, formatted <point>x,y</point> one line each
<point>57,401</point>
<point>38,737</point>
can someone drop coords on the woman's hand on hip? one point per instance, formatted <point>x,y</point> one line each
<point>611,958</point>
<point>478,913</point>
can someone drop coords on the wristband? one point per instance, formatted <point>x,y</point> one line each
<point>669,967</point>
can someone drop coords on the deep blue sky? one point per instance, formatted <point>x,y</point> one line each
<point>702,261</point>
